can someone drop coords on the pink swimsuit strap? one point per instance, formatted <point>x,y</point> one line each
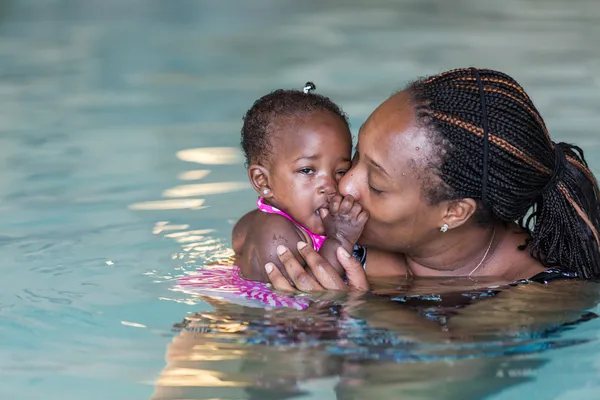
<point>316,239</point>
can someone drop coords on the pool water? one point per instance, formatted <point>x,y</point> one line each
<point>121,172</point>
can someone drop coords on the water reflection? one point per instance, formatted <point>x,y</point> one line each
<point>183,204</point>
<point>193,175</point>
<point>203,189</point>
<point>198,246</point>
<point>370,347</point>
<point>211,155</point>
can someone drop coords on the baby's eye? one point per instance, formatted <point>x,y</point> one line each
<point>341,172</point>
<point>307,171</point>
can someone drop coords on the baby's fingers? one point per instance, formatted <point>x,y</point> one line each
<point>362,217</point>
<point>325,217</point>
<point>346,205</point>
<point>334,204</point>
<point>355,210</point>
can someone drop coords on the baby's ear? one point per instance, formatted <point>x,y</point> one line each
<point>259,178</point>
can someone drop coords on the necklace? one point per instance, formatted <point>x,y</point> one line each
<point>486,253</point>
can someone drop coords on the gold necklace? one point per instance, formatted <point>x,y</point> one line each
<point>486,253</point>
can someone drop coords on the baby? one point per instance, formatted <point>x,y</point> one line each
<point>298,146</point>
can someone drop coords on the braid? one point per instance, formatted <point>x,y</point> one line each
<point>563,218</point>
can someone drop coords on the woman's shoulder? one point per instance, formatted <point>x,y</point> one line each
<point>530,269</point>
<point>513,260</point>
<point>522,266</point>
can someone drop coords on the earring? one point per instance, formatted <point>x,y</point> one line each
<point>265,191</point>
<point>444,228</point>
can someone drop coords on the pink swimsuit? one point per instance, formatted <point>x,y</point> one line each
<point>316,239</point>
<point>224,281</point>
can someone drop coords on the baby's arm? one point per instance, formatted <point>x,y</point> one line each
<point>344,222</point>
<point>264,235</point>
<point>328,250</point>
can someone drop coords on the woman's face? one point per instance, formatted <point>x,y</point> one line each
<point>389,171</point>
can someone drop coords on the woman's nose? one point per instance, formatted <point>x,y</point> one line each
<point>347,185</point>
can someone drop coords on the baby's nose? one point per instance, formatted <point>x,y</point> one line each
<point>328,187</point>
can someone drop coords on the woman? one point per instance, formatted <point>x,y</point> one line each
<point>461,178</point>
<point>444,168</point>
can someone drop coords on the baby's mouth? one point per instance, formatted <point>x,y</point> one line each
<point>326,205</point>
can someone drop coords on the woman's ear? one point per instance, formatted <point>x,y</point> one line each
<point>259,178</point>
<point>459,212</point>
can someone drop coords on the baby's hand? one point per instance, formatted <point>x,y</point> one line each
<point>345,219</point>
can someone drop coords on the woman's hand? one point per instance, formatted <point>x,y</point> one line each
<point>323,275</point>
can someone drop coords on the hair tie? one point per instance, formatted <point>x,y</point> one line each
<point>486,131</point>
<point>308,87</point>
<point>560,165</point>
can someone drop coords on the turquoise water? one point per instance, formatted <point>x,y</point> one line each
<point>120,172</point>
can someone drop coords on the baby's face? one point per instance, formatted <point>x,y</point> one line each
<point>310,156</point>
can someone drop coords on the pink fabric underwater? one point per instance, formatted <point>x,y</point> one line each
<point>224,281</point>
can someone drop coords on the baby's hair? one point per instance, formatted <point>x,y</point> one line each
<point>270,113</point>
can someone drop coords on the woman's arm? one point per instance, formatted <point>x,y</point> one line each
<point>324,275</point>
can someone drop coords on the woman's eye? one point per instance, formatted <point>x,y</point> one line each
<point>375,191</point>
<point>306,171</point>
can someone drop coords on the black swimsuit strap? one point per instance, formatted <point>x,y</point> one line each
<point>553,274</point>
<point>360,253</point>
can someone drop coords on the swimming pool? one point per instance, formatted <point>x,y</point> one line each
<point>118,142</point>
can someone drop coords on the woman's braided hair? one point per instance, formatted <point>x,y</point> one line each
<point>546,187</point>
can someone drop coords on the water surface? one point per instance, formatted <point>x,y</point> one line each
<point>120,173</point>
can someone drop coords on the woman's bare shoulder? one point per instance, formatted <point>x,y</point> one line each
<point>516,257</point>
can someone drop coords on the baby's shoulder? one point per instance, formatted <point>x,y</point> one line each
<point>266,232</point>
<point>273,227</point>
<point>241,229</point>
